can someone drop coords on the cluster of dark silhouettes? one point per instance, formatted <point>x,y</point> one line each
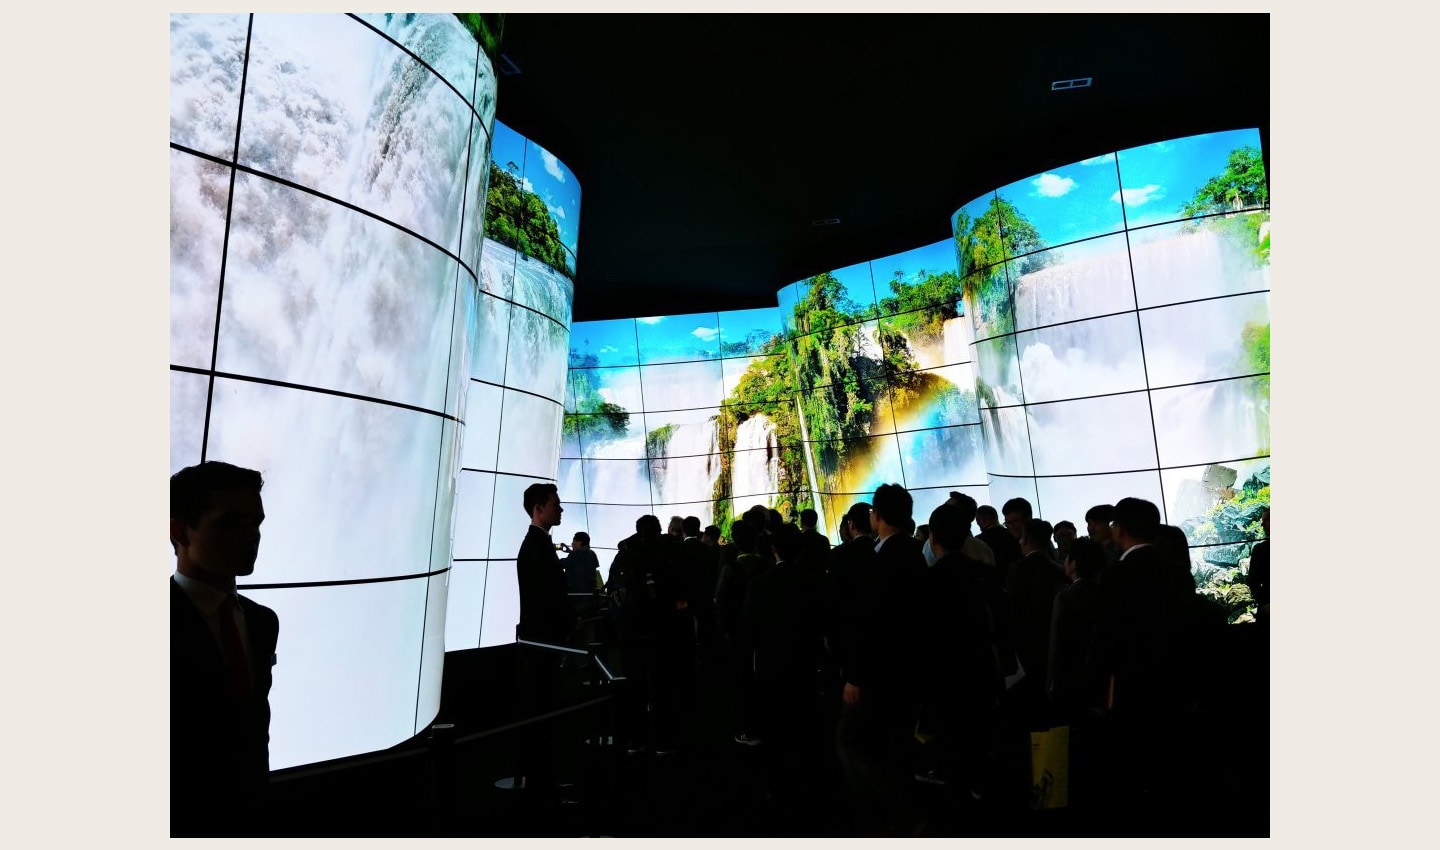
<point>924,652</point>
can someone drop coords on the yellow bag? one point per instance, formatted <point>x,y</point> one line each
<point>1050,768</point>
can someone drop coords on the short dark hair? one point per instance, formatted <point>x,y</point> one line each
<point>192,487</point>
<point>538,494</point>
<point>1100,513</point>
<point>1139,518</point>
<point>987,513</point>
<point>1088,555</point>
<point>648,526</point>
<point>894,504</point>
<point>691,525</point>
<point>1172,541</point>
<point>859,517</point>
<point>1019,506</point>
<point>712,531</point>
<point>922,531</point>
<point>1064,523</point>
<point>809,517</point>
<point>967,506</point>
<point>676,522</point>
<point>582,537</point>
<point>1037,532</point>
<point>948,527</point>
<point>787,542</point>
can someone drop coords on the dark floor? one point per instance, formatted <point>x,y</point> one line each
<point>1215,782</point>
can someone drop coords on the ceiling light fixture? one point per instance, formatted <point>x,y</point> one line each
<point>1077,83</point>
<point>825,222</point>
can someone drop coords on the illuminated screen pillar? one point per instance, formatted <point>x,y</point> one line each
<point>327,187</point>
<point>1121,317</point>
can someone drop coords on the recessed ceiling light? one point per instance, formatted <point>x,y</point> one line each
<point>1077,83</point>
<point>825,222</point>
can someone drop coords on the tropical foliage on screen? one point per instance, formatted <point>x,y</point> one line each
<point>520,219</point>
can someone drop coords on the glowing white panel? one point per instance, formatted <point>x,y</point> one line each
<point>1070,498</point>
<point>1080,359</point>
<point>465,603</point>
<point>207,58</point>
<point>1205,340</point>
<point>537,350</point>
<point>319,295</point>
<point>502,604</point>
<point>482,426</point>
<point>1219,421</point>
<point>1183,262</point>
<point>187,418</point>
<point>349,485</point>
<point>529,434</point>
<point>490,340</point>
<point>475,493</point>
<point>432,659</point>
<point>340,647</point>
<point>1106,434</point>
<point>199,193</point>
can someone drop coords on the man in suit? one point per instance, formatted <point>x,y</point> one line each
<point>1001,542</point>
<point>546,616</point>
<point>222,646</point>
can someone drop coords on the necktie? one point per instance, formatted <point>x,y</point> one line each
<point>235,647</point>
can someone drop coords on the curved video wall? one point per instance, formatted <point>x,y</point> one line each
<point>1121,318</point>
<point>513,411</point>
<point>881,356</point>
<point>690,415</point>
<point>327,177</point>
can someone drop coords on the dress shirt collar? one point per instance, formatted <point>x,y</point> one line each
<point>881,541</point>
<point>204,597</point>
<point>1132,549</point>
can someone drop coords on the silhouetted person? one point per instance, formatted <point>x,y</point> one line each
<point>1097,525</point>
<point>1005,546</point>
<point>1074,681</point>
<point>847,589</point>
<point>730,607</point>
<point>582,568</point>
<point>1016,512</point>
<point>546,617</point>
<point>222,646</point>
<point>702,575</point>
<point>1031,584</point>
<point>1064,535</point>
<point>644,581</point>
<point>815,546</point>
<point>974,547</point>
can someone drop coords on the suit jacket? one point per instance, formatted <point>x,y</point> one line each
<point>1144,613</point>
<point>847,587</point>
<point>546,615</point>
<point>219,742</point>
<point>1002,543</point>
<point>1074,680</point>
<point>888,657</point>
<point>780,623</point>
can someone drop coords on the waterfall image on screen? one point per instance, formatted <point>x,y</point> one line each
<point>1120,311</point>
<point>881,353</point>
<point>516,382</point>
<point>327,347</point>
<point>690,415</point>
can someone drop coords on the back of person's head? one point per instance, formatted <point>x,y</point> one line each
<point>948,527</point>
<point>1036,533</point>
<point>1088,555</point>
<point>1139,519</point>
<point>922,532</point>
<point>773,519</point>
<point>676,526</point>
<point>1065,525</point>
<point>1103,514</point>
<point>808,518</point>
<point>648,526</point>
<point>191,488</point>
<point>1018,506</point>
<point>893,504</point>
<point>987,515</point>
<point>712,534</point>
<point>582,538</point>
<point>538,494</point>
<point>967,506</point>
<point>691,525</point>
<point>743,534</point>
<point>758,517</point>
<point>1171,539</point>
<point>787,542</point>
<point>859,518</point>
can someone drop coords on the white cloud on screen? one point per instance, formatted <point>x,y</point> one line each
<point>651,320</point>
<point>526,184</point>
<point>558,212</point>
<point>552,165</point>
<point>705,334</point>
<point>609,349</point>
<point>1053,185</point>
<point>1136,197</point>
<point>1102,159</point>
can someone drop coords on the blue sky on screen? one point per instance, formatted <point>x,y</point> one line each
<point>1159,179</point>
<point>787,298</point>
<point>1072,202</point>
<point>612,342</point>
<point>858,286</point>
<point>550,179</point>
<point>736,326</point>
<point>508,147</point>
<point>932,259</point>
<point>669,339</point>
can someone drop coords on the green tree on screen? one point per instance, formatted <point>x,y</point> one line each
<point>519,219</point>
<point>1240,186</point>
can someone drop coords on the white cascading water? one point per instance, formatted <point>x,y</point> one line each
<point>1088,286</point>
<point>691,463</point>
<point>612,481</point>
<point>755,473</point>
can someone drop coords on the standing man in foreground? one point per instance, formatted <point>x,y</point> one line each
<point>222,646</point>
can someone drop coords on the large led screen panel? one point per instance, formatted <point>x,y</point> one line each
<point>324,262</point>
<point>1123,349</point>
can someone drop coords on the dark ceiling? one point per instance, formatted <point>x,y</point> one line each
<point>707,145</point>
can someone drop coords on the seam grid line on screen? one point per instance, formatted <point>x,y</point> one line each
<point>511,474</point>
<point>339,582</point>
<point>1011,286</point>
<point>519,390</point>
<point>1139,329</point>
<point>469,102</point>
<point>1134,471</point>
<point>640,385</point>
<point>238,166</point>
<point>499,436</point>
<point>213,373</point>
<point>225,244</point>
<point>1123,392</point>
<point>1150,309</point>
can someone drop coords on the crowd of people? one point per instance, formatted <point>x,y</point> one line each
<point>927,652</point>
